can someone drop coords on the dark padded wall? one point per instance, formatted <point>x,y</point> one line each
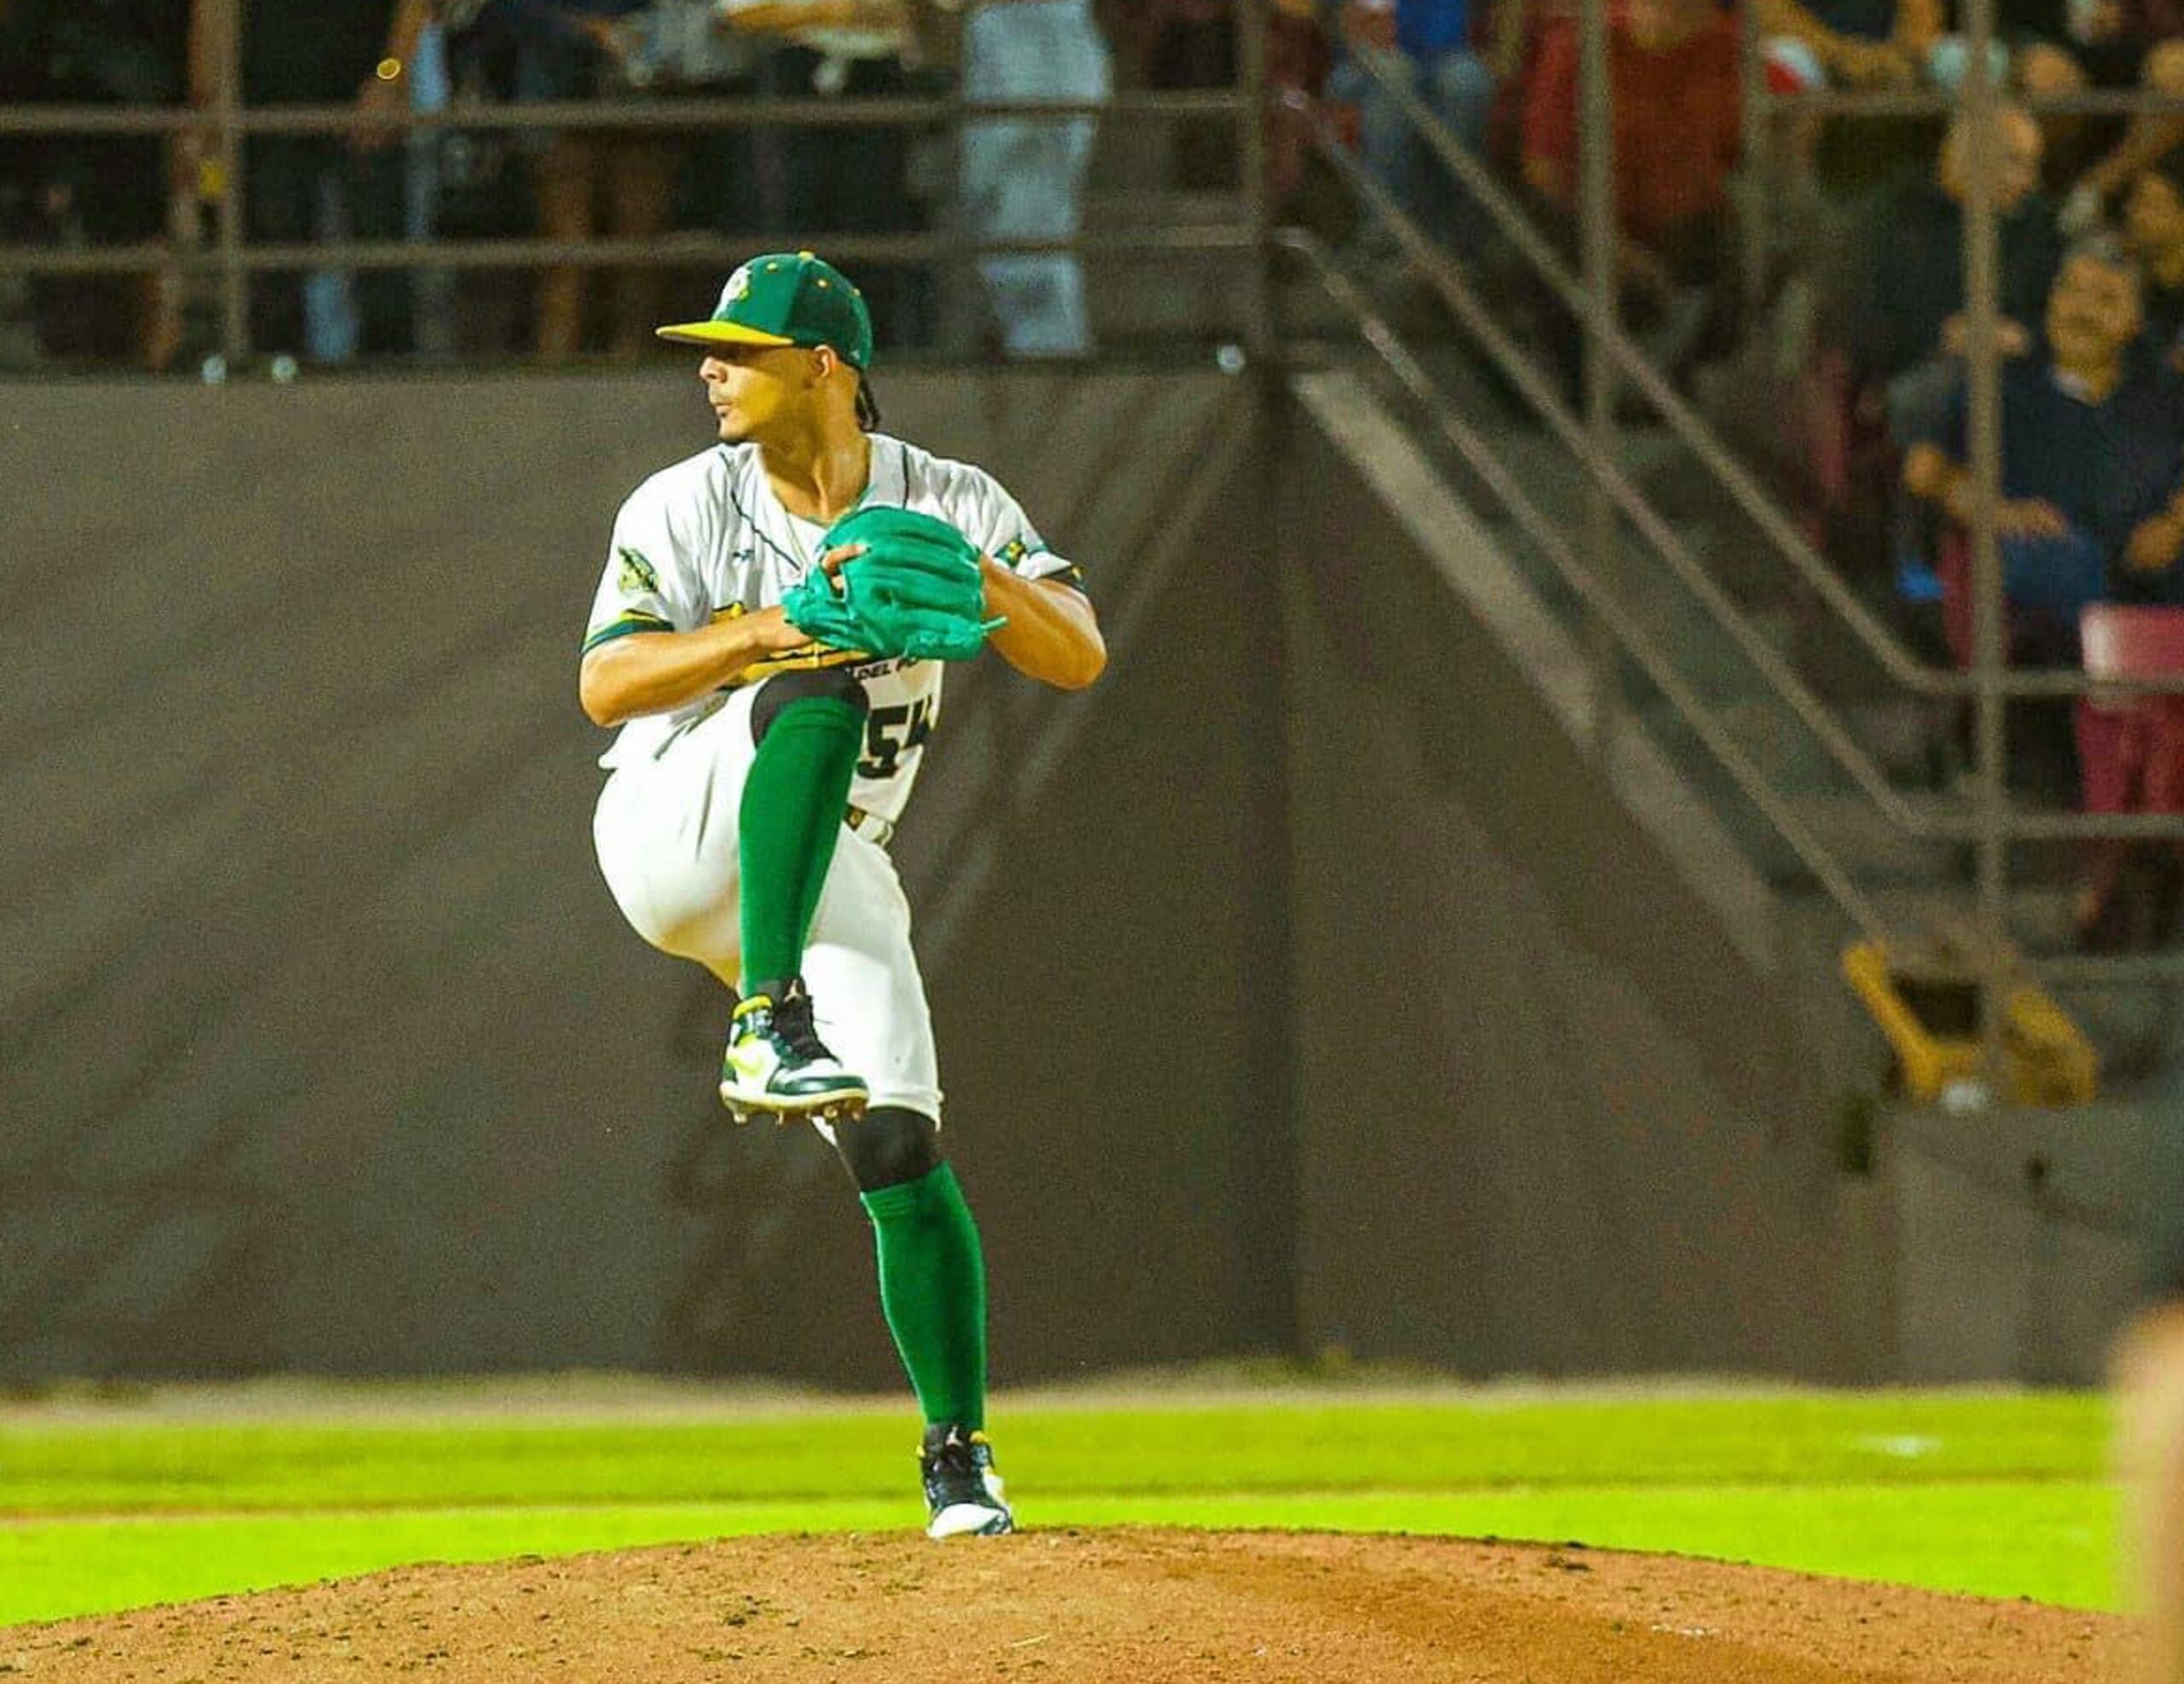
<point>325,1047</point>
<point>322,1046</point>
<point>1554,1121</point>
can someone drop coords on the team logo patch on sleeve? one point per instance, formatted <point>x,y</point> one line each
<point>636,573</point>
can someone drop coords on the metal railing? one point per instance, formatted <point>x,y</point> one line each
<point>225,124</point>
<point>1554,541</point>
<point>1993,823</point>
<point>1613,361</point>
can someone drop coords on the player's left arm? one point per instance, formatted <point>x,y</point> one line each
<point>1051,633</point>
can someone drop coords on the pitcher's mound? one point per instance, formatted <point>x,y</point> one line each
<point>1130,1605</point>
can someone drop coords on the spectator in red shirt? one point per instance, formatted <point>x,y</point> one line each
<point>1673,66</point>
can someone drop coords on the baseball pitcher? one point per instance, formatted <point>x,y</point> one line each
<point>770,633</point>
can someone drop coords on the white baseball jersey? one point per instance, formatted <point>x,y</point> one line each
<point>707,539</point>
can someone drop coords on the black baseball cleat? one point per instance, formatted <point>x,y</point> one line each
<point>775,1062</point>
<point>962,1489</point>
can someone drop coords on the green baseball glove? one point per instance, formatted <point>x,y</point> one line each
<point>916,591</point>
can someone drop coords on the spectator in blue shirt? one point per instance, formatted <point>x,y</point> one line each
<point>2092,457</point>
<point>1431,41</point>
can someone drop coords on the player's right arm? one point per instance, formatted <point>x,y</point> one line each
<point>656,638</point>
<point>654,670</point>
<point>656,641</point>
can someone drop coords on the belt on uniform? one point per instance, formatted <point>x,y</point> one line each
<point>870,826</point>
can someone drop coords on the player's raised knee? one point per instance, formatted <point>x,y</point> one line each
<point>776,694</point>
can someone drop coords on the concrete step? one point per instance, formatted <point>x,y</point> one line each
<point>1868,843</point>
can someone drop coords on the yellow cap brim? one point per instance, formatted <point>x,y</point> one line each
<point>718,333</point>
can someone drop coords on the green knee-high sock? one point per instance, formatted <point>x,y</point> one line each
<point>933,1287</point>
<point>790,818</point>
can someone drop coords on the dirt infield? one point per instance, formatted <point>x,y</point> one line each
<point>1068,1605</point>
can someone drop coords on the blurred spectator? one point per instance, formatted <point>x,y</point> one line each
<point>431,86</point>
<point>2131,753</point>
<point>306,187</point>
<point>85,190</point>
<point>1674,73</point>
<point>1856,43</point>
<point>1182,45</point>
<point>1024,179</point>
<point>853,179</point>
<point>2091,456</point>
<point>2153,224</point>
<point>1429,46</point>
<point>2105,43</point>
<point>590,181</point>
<point>1300,61</point>
<point>1905,326</point>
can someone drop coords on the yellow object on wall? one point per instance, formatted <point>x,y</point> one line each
<point>2047,1059</point>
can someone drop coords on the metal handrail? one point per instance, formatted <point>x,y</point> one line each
<point>233,260</point>
<point>1694,432</point>
<point>2121,970</point>
<point>1442,274</point>
<point>1815,856</point>
<point>1582,579</point>
<point>1537,392</point>
<point>665,251</point>
<point>1689,427</point>
<point>1697,435</point>
<point>1935,103</point>
<point>1753,784</point>
<point>1811,711</point>
<point>666,113</point>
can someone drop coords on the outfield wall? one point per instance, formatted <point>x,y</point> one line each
<point>322,1046</point>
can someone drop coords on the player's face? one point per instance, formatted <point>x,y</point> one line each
<point>756,391</point>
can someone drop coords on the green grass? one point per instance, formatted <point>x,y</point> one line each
<point>2001,1496</point>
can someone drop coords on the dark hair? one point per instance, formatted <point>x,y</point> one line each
<point>868,406</point>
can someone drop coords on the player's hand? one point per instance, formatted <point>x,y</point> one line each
<point>916,592</point>
<point>778,634</point>
<point>380,100</point>
<point>839,556</point>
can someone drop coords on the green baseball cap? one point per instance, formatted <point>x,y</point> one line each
<point>785,297</point>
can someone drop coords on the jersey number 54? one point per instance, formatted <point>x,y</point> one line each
<point>891,733</point>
